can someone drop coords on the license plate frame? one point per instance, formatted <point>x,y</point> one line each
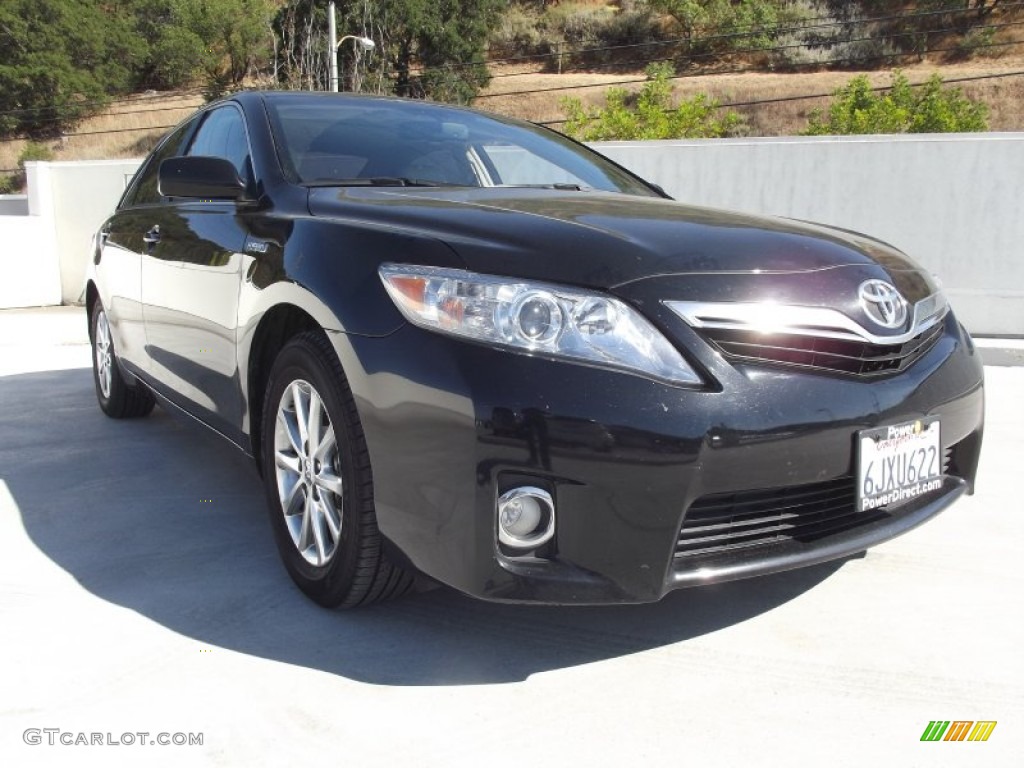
<point>898,463</point>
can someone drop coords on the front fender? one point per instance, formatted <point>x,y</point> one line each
<point>331,265</point>
<point>327,270</point>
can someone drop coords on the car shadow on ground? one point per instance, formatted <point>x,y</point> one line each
<point>167,519</point>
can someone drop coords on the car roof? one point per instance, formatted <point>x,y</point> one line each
<point>319,97</point>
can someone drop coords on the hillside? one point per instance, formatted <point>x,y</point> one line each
<point>130,127</point>
<point>1004,95</point>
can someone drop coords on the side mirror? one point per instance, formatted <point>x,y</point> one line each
<point>207,178</point>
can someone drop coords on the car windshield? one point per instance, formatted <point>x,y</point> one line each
<point>380,142</point>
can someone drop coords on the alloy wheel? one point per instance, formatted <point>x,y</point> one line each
<point>103,351</point>
<point>309,481</point>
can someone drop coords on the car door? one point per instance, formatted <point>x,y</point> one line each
<point>190,286</point>
<point>125,244</point>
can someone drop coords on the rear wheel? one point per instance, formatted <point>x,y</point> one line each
<point>117,399</point>
<point>318,481</point>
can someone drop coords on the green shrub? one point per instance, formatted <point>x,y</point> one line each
<point>626,27</point>
<point>979,42</point>
<point>15,182</point>
<point>34,151</point>
<point>648,115</point>
<point>517,33</point>
<point>578,25</point>
<point>929,108</point>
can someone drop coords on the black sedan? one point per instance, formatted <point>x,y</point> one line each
<point>462,346</point>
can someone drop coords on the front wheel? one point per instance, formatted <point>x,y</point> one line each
<point>116,398</point>
<point>318,481</point>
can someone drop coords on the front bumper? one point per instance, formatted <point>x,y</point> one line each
<point>450,425</point>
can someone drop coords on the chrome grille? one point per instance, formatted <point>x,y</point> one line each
<point>817,338</point>
<point>861,358</point>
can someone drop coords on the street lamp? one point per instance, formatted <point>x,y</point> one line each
<point>361,44</point>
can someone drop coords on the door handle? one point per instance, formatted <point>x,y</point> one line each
<point>152,237</point>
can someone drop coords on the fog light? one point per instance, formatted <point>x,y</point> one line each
<point>526,517</point>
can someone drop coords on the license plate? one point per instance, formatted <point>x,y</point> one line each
<point>898,463</point>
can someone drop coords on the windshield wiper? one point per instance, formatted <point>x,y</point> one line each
<point>563,185</point>
<point>378,181</point>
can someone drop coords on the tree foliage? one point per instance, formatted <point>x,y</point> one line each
<point>723,25</point>
<point>220,40</point>
<point>300,27</point>
<point>930,108</point>
<point>424,48</point>
<point>428,48</point>
<point>59,60</point>
<point>652,116</point>
<point>880,32</point>
<point>235,34</point>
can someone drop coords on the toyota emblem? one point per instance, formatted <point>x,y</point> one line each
<point>883,303</point>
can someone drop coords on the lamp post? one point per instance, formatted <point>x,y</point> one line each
<point>361,44</point>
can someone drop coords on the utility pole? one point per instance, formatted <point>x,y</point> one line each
<point>361,44</point>
<point>332,45</point>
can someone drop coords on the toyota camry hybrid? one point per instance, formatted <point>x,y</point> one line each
<point>464,346</point>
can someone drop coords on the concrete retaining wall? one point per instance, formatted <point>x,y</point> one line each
<point>29,270</point>
<point>46,235</point>
<point>84,195</point>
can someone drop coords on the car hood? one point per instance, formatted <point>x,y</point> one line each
<point>612,241</point>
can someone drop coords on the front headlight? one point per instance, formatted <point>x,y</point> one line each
<point>535,318</point>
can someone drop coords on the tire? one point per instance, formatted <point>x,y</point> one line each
<point>320,490</point>
<point>117,399</point>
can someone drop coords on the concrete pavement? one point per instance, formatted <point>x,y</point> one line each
<point>140,592</point>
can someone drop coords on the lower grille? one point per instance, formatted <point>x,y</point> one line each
<point>729,521</point>
<point>861,358</point>
<point>719,525</point>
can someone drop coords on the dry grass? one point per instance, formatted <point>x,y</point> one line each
<point>125,129</point>
<point>1005,96</point>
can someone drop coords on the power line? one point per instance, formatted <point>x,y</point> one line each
<point>56,120</point>
<point>197,91</point>
<point>804,27</point>
<point>750,31</point>
<point>725,105</point>
<point>755,102</point>
<point>736,71</point>
<point>806,96</point>
<point>741,70</point>
<point>101,133</point>
<point>771,49</point>
<point>120,130</point>
<point>103,103</point>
